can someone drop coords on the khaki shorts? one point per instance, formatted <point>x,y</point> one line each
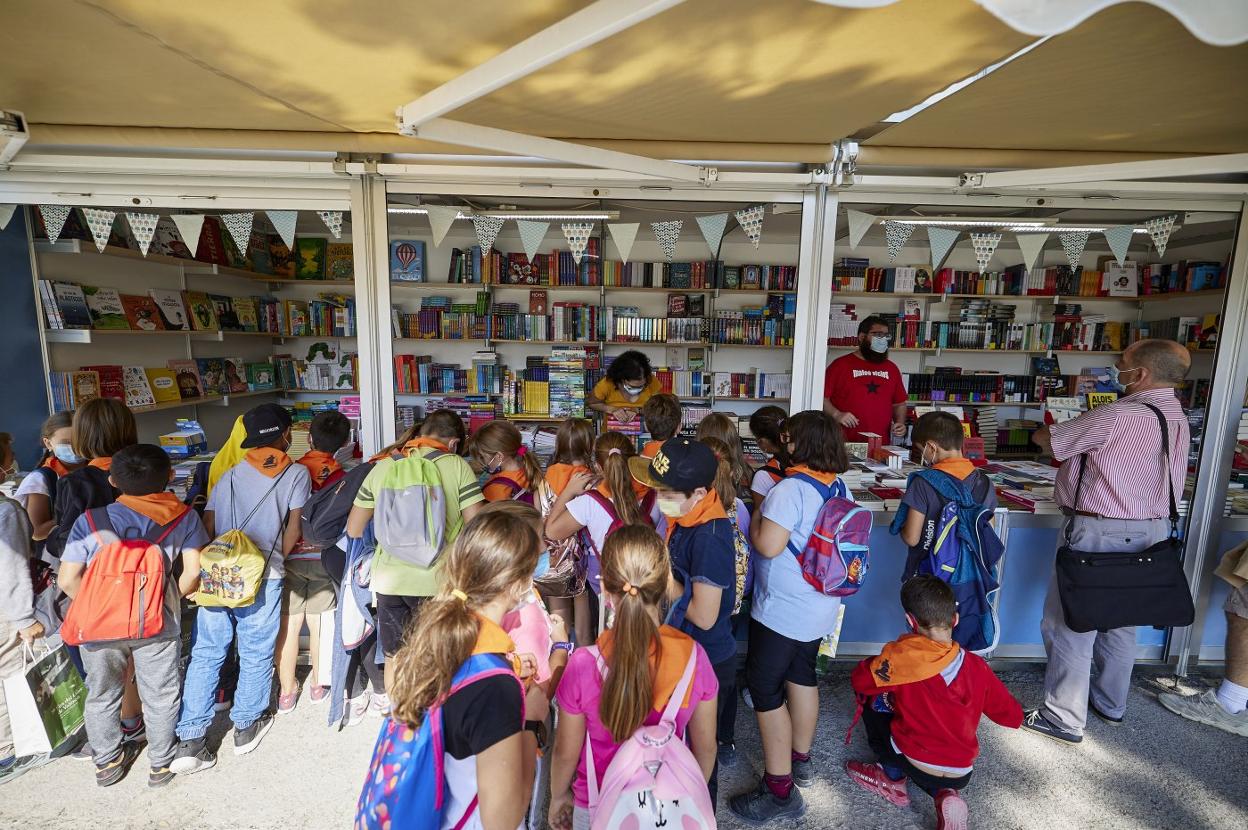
<point>306,588</point>
<point>1237,602</point>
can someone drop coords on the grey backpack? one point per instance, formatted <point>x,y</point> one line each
<point>410,515</point>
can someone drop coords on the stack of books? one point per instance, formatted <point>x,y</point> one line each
<point>567,381</point>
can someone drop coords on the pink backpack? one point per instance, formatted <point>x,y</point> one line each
<point>653,780</point>
<point>834,560</point>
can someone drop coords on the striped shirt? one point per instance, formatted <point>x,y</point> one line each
<point>1125,477</point>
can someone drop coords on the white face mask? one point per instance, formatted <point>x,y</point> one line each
<point>879,345</point>
<point>672,507</point>
<point>632,391</point>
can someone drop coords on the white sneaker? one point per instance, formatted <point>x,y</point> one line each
<point>380,705</point>
<point>357,708</point>
<point>1204,708</point>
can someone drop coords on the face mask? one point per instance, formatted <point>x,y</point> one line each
<point>1113,374</point>
<point>543,565</point>
<point>923,462</point>
<point>673,508</point>
<point>494,469</point>
<point>879,345</point>
<point>345,454</point>
<point>632,391</point>
<point>66,455</point>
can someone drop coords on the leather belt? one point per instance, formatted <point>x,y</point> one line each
<point>1089,515</point>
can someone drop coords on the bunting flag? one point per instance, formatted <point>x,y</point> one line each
<point>577,234</point>
<point>667,233</point>
<point>985,246</point>
<point>1031,245</point>
<point>623,234</point>
<point>712,228</point>
<point>440,219</point>
<point>284,222</point>
<point>54,217</point>
<point>531,235</point>
<point>896,235</point>
<point>332,220</point>
<point>1073,243</point>
<point>1159,228</point>
<point>751,220</point>
<point>190,227</point>
<point>941,241</point>
<point>1119,239</point>
<point>101,224</point>
<point>859,224</point>
<point>6,213</point>
<point>239,225</point>
<point>143,226</point>
<point>487,228</point>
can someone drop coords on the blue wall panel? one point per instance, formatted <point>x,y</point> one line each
<point>25,393</point>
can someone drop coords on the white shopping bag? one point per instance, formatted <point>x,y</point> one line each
<point>46,701</point>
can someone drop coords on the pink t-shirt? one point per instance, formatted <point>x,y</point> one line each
<point>578,694</point>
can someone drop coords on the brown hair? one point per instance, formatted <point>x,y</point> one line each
<point>503,437</point>
<point>723,484</point>
<point>611,453</point>
<point>54,422</point>
<point>495,553</point>
<point>102,426</point>
<point>817,441</point>
<point>662,416</point>
<point>443,423</point>
<point>574,442</point>
<point>518,509</point>
<point>929,599</point>
<point>943,428</point>
<point>636,557</point>
<point>719,425</point>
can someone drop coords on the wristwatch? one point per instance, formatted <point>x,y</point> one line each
<point>568,647</point>
<point>538,728</point>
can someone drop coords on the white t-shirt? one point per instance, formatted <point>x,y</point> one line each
<point>762,483</point>
<point>592,516</point>
<point>32,484</point>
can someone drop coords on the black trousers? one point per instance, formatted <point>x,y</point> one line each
<point>879,737</point>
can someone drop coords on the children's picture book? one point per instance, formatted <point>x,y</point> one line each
<point>310,258</point>
<point>172,311</point>
<point>138,390</point>
<point>111,383</point>
<point>537,302</point>
<point>141,312</point>
<point>72,304</point>
<point>224,307</point>
<point>281,258</point>
<point>245,313</point>
<point>260,376</point>
<point>86,385</point>
<point>234,258</point>
<point>186,374</point>
<point>202,312</point>
<point>104,305</point>
<point>211,374</point>
<point>258,253</point>
<point>164,385</point>
<point>296,318</point>
<point>235,375</point>
<point>407,260</point>
<point>339,261</point>
<point>1123,280</point>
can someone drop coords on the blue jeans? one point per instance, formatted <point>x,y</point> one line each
<point>256,626</point>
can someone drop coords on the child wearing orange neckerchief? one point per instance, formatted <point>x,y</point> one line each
<point>329,433</point>
<point>921,701</point>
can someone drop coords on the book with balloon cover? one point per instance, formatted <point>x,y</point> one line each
<point>407,260</point>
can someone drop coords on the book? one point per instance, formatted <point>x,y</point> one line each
<point>731,277</point>
<point>226,316</point>
<point>85,386</point>
<point>138,390</point>
<point>104,305</point>
<point>72,304</point>
<point>211,374</point>
<point>407,260</point>
<point>186,375</point>
<point>51,314</point>
<point>245,313</point>
<point>281,258</point>
<point>111,383</point>
<point>260,376</point>
<point>258,253</point>
<point>310,258</point>
<point>201,311</point>
<point>537,302</point>
<point>164,385</point>
<point>234,258</point>
<point>339,261</point>
<point>1123,279</point>
<point>1096,399</point>
<point>172,311</point>
<point>141,312</point>
<point>235,375</point>
<point>677,305</point>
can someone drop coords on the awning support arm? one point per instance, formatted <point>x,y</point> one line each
<point>1125,171</point>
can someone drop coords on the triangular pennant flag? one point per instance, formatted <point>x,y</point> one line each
<point>54,217</point>
<point>712,228</point>
<point>624,234</point>
<point>143,226</point>
<point>985,246</point>
<point>332,220</point>
<point>577,234</point>
<point>284,222</point>
<point>896,235</point>
<point>6,213</point>
<point>440,219</point>
<point>487,228</point>
<point>859,224</point>
<point>531,235</point>
<point>1119,239</point>
<point>190,227</point>
<point>1031,244</point>
<point>667,233</point>
<point>1073,243</point>
<point>942,241</point>
<point>1159,228</point>
<point>239,225</point>
<point>101,224</point>
<point>751,220</point>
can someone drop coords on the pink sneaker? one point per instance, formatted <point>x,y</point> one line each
<point>286,703</point>
<point>873,779</point>
<point>951,812</point>
<point>318,693</point>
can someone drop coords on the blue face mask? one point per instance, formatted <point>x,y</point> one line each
<point>543,565</point>
<point>65,454</point>
<point>1114,375</point>
<point>879,345</point>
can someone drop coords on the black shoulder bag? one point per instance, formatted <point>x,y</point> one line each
<point>1100,591</point>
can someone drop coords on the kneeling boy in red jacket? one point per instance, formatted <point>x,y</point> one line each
<point>921,702</point>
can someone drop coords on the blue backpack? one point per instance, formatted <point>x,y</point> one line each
<point>835,559</point>
<point>963,550</point>
<point>406,785</point>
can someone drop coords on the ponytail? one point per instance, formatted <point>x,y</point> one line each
<point>611,453</point>
<point>532,467</point>
<point>503,438</point>
<point>724,485</point>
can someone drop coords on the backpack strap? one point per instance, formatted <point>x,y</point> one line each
<point>509,483</point>
<point>98,521</point>
<point>948,487</point>
<point>50,479</point>
<point>826,493</point>
<point>647,504</point>
<point>678,694</point>
<point>609,506</point>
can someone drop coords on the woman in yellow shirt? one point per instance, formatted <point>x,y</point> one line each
<point>628,385</point>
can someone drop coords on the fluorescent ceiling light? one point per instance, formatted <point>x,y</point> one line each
<point>586,216</point>
<point>1014,225</point>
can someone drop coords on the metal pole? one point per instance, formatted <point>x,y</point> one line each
<point>370,237</point>
<point>814,296</point>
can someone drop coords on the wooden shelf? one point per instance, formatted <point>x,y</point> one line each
<point>1031,404</point>
<point>537,419</point>
<point>328,392</point>
<point>748,291</point>
<point>209,400</point>
<point>751,346</point>
<point>87,336</point>
<point>438,339</point>
<point>497,340</point>
<point>1043,298</point>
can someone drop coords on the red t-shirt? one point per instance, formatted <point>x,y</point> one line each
<point>868,390</point>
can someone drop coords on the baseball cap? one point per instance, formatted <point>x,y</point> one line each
<point>263,424</point>
<point>680,464</point>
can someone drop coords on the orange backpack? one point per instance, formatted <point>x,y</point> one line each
<point>122,596</point>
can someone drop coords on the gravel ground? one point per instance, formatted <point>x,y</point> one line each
<point>1156,771</point>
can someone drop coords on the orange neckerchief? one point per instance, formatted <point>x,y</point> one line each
<point>161,508</point>
<point>104,462</point>
<point>55,465</point>
<point>492,639</point>
<point>911,658</point>
<point>498,492</point>
<point>423,441</point>
<point>558,475</point>
<point>959,468</point>
<point>268,460</point>
<point>822,478</point>
<point>676,648</point>
<point>639,489</point>
<point>706,510</point>
<point>321,465</point>
<point>651,449</point>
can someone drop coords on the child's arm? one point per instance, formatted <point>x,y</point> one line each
<point>560,524</point>
<point>69,577</point>
<point>769,538</point>
<point>357,520</point>
<point>39,509</point>
<point>1000,706</point>
<point>293,532</point>
<point>188,582</point>
<point>570,740</point>
<point>701,735</point>
<point>912,530</point>
<point>82,544</point>
<point>703,608</point>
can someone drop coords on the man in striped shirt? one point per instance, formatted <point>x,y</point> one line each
<point>1122,507</point>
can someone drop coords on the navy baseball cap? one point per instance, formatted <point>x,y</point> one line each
<point>681,464</point>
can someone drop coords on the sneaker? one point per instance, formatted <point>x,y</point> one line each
<point>951,812</point>
<point>727,755</point>
<point>747,698</point>
<point>804,773</point>
<point>759,806</point>
<point>286,703</point>
<point>245,740</point>
<point>357,708</point>
<point>1038,723</point>
<point>160,777</point>
<point>106,775</point>
<point>192,756</point>
<point>1092,707</point>
<point>380,705</point>
<point>1204,708</point>
<point>873,779</point>
<point>317,694</point>
<point>223,702</point>
<point>12,768</point>
<point>138,733</point>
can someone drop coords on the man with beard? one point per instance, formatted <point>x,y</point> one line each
<point>863,390</point>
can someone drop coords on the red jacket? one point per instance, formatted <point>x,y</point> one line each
<point>935,719</point>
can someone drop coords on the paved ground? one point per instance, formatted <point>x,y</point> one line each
<point>1157,771</point>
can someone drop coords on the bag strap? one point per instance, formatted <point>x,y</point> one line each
<point>948,487</point>
<point>591,771</point>
<point>824,490</point>
<point>1165,454</point>
<point>261,500</point>
<point>98,521</point>
<point>678,694</point>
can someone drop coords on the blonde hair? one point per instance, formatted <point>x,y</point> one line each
<point>574,442</point>
<point>719,425</point>
<point>102,426</point>
<point>723,485</point>
<point>495,553</point>
<point>54,422</point>
<point>517,509</point>
<point>504,439</point>
<point>611,453</point>
<point>635,570</point>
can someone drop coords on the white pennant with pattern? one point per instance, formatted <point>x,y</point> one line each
<point>985,245</point>
<point>1119,239</point>
<point>239,225</point>
<point>531,235</point>
<point>441,217</point>
<point>190,228</point>
<point>941,241</point>
<point>896,235</point>
<point>1159,228</point>
<point>577,234</point>
<point>143,226</point>
<point>667,233</point>
<point>487,228</point>
<point>623,234</point>
<point>712,228</point>
<point>859,224</point>
<point>1073,243</point>
<point>332,220</point>
<point>284,222</point>
<point>751,220</point>
<point>1031,245</point>
<point>101,224</point>
<point>54,217</point>
<point>6,213</point>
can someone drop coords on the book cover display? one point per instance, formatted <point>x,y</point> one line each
<point>407,260</point>
<point>339,261</point>
<point>72,303</point>
<point>104,305</point>
<point>202,312</point>
<point>186,375</point>
<point>235,375</point>
<point>141,313</point>
<point>211,374</point>
<point>310,258</point>
<point>164,385</point>
<point>138,390</point>
<point>172,311</point>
